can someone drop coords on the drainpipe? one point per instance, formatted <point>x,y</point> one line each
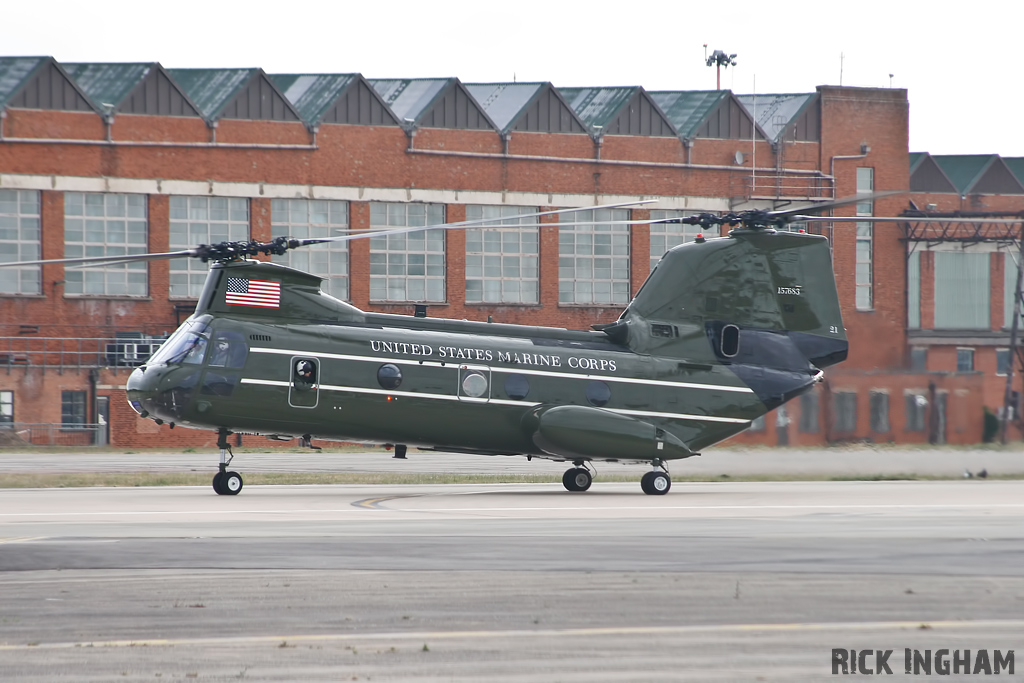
<point>213,132</point>
<point>843,157</point>
<point>3,116</point>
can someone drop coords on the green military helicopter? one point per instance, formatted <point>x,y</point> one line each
<point>723,330</point>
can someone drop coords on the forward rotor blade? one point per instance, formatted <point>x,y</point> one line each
<point>105,260</point>
<point>462,225</point>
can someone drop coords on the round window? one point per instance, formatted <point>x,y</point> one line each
<point>474,384</point>
<point>517,387</point>
<point>389,376</point>
<point>598,393</point>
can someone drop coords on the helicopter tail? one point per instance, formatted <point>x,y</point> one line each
<point>762,302</point>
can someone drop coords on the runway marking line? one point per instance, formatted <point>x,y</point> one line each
<point>539,633</point>
<point>373,505</point>
<point>25,539</point>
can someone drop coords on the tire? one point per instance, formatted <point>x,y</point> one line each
<point>569,480</point>
<point>232,483</point>
<point>656,483</point>
<point>581,479</point>
<point>218,483</point>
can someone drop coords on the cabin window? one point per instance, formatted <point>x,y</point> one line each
<point>517,387</point>
<point>502,263</point>
<point>730,341</point>
<point>661,330</point>
<point>314,219</point>
<point>474,384</point>
<point>98,224</point>
<point>305,372</point>
<point>20,241</point>
<point>389,376</point>
<point>202,220</point>
<point>598,393</point>
<point>229,350</point>
<point>186,345</point>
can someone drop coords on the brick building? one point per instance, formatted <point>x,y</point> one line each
<point>112,159</point>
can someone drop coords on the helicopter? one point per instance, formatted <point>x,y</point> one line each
<point>722,331</point>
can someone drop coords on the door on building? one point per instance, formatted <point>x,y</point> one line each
<point>102,420</point>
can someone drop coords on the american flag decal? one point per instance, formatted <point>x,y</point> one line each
<point>259,293</point>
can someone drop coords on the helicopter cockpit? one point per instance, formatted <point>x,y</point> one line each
<point>165,386</point>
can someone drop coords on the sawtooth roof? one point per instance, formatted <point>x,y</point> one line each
<point>140,88</point>
<point>234,93</point>
<point>532,107</point>
<point>40,83</point>
<point>334,98</point>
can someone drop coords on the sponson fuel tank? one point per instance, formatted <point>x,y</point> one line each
<point>581,431</point>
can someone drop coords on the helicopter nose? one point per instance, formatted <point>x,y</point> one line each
<point>161,392</point>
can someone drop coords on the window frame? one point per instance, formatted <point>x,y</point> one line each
<point>577,235</point>
<point>864,243</point>
<point>527,281</point>
<point>16,230</point>
<point>329,260</point>
<point>73,403</point>
<point>187,277</point>
<point>390,264</point>
<point>86,213</point>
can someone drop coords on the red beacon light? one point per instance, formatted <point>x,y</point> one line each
<point>699,237</point>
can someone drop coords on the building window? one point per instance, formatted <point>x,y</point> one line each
<point>105,225</point>
<point>502,263</point>
<point>6,407</point>
<point>202,220</point>
<point>313,219</point>
<point>845,407</point>
<point>879,403</point>
<point>19,241</point>
<point>865,238</point>
<point>664,236</point>
<point>1002,361</point>
<point>758,424</point>
<point>408,266</point>
<point>962,293</point>
<point>1009,288</point>
<point>914,291</point>
<point>965,360</point>
<point>593,257</point>
<point>809,413</point>
<point>72,408</point>
<point>916,405</point>
<point>919,359</point>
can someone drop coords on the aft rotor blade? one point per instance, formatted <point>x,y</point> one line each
<point>106,260</point>
<point>903,219</point>
<point>462,225</point>
<point>826,206</point>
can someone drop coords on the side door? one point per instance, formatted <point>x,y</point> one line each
<point>304,387</point>
<point>474,383</point>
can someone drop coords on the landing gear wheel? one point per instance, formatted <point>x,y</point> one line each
<point>232,483</point>
<point>577,479</point>
<point>656,483</point>
<point>218,483</point>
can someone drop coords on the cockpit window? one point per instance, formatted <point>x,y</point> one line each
<point>229,350</point>
<point>186,345</point>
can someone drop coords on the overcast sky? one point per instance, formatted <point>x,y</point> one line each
<point>961,66</point>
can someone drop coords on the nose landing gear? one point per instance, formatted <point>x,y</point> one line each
<point>226,483</point>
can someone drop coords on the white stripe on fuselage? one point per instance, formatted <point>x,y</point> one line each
<point>518,371</point>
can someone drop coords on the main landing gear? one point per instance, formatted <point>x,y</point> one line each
<point>226,483</point>
<point>656,482</point>
<point>577,478</point>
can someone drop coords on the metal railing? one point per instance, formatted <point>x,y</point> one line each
<point>23,434</point>
<point>61,353</point>
<point>781,185</point>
